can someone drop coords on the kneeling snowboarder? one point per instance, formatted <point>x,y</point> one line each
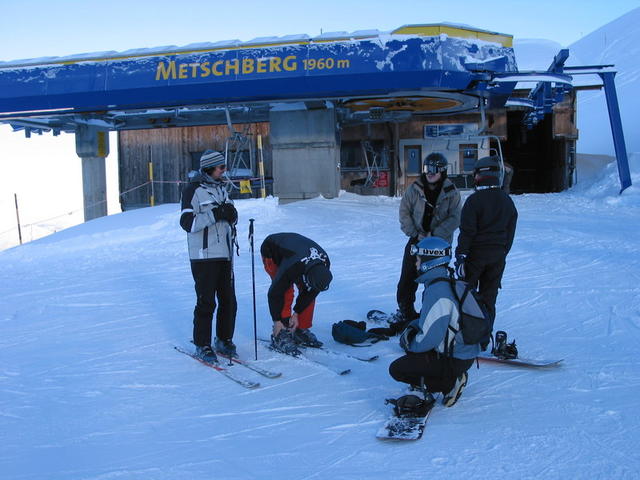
<point>437,358</point>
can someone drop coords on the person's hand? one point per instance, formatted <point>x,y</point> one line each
<point>459,265</point>
<point>280,325</point>
<point>293,321</point>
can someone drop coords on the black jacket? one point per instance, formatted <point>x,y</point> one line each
<point>488,221</point>
<point>295,255</point>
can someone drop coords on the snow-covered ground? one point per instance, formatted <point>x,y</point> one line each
<point>91,388</point>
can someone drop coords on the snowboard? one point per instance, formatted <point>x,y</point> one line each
<point>378,316</point>
<point>520,362</point>
<point>403,428</point>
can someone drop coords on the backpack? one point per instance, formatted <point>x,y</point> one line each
<point>351,332</point>
<point>475,322</point>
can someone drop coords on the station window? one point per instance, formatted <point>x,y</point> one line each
<point>352,155</point>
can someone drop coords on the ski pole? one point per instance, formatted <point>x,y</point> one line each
<point>253,281</point>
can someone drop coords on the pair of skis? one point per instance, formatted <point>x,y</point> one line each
<point>246,383</point>
<point>306,349</point>
<point>250,384</point>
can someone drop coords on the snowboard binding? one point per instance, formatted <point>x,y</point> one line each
<point>411,406</point>
<point>502,349</point>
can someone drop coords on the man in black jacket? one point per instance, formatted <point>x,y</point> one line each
<point>487,227</point>
<point>290,258</point>
<point>209,218</point>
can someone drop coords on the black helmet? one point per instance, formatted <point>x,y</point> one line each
<point>488,170</point>
<point>434,163</point>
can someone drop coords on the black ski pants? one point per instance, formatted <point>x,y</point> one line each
<point>213,280</point>
<point>407,286</point>
<point>438,372</point>
<point>483,271</point>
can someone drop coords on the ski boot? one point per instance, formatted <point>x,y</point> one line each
<point>226,348</point>
<point>452,397</point>
<point>304,337</point>
<point>206,354</point>
<point>284,343</point>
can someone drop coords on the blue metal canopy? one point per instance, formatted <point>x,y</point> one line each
<point>379,65</point>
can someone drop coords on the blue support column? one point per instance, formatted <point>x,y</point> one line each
<point>616,129</point>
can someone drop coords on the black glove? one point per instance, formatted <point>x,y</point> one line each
<point>460,267</point>
<point>407,336</point>
<point>227,212</point>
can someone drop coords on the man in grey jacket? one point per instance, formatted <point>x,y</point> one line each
<point>429,207</point>
<point>436,355</point>
<point>209,218</point>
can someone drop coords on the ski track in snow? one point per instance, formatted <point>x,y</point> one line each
<point>91,388</point>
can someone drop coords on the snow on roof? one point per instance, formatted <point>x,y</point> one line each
<point>411,30</point>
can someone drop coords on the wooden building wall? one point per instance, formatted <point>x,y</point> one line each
<point>543,157</point>
<point>173,153</point>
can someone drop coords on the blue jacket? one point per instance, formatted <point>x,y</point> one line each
<point>439,310</point>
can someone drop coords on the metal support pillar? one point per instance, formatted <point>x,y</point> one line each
<point>92,146</point>
<point>616,129</point>
<point>94,187</point>
<point>306,154</point>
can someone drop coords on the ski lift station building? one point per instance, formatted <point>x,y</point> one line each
<point>352,111</point>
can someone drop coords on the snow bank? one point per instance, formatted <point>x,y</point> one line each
<point>606,185</point>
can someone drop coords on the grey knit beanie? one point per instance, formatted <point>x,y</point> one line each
<point>210,159</point>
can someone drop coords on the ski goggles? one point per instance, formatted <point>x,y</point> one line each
<point>430,252</point>
<point>433,168</point>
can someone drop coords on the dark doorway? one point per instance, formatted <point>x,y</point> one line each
<point>540,163</point>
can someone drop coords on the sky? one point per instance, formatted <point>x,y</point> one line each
<point>65,27</point>
<point>44,171</point>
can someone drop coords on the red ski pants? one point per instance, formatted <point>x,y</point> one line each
<point>305,318</point>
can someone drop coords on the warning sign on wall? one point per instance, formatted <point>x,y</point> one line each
<point>382,181</point>
<point>245,186</point>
